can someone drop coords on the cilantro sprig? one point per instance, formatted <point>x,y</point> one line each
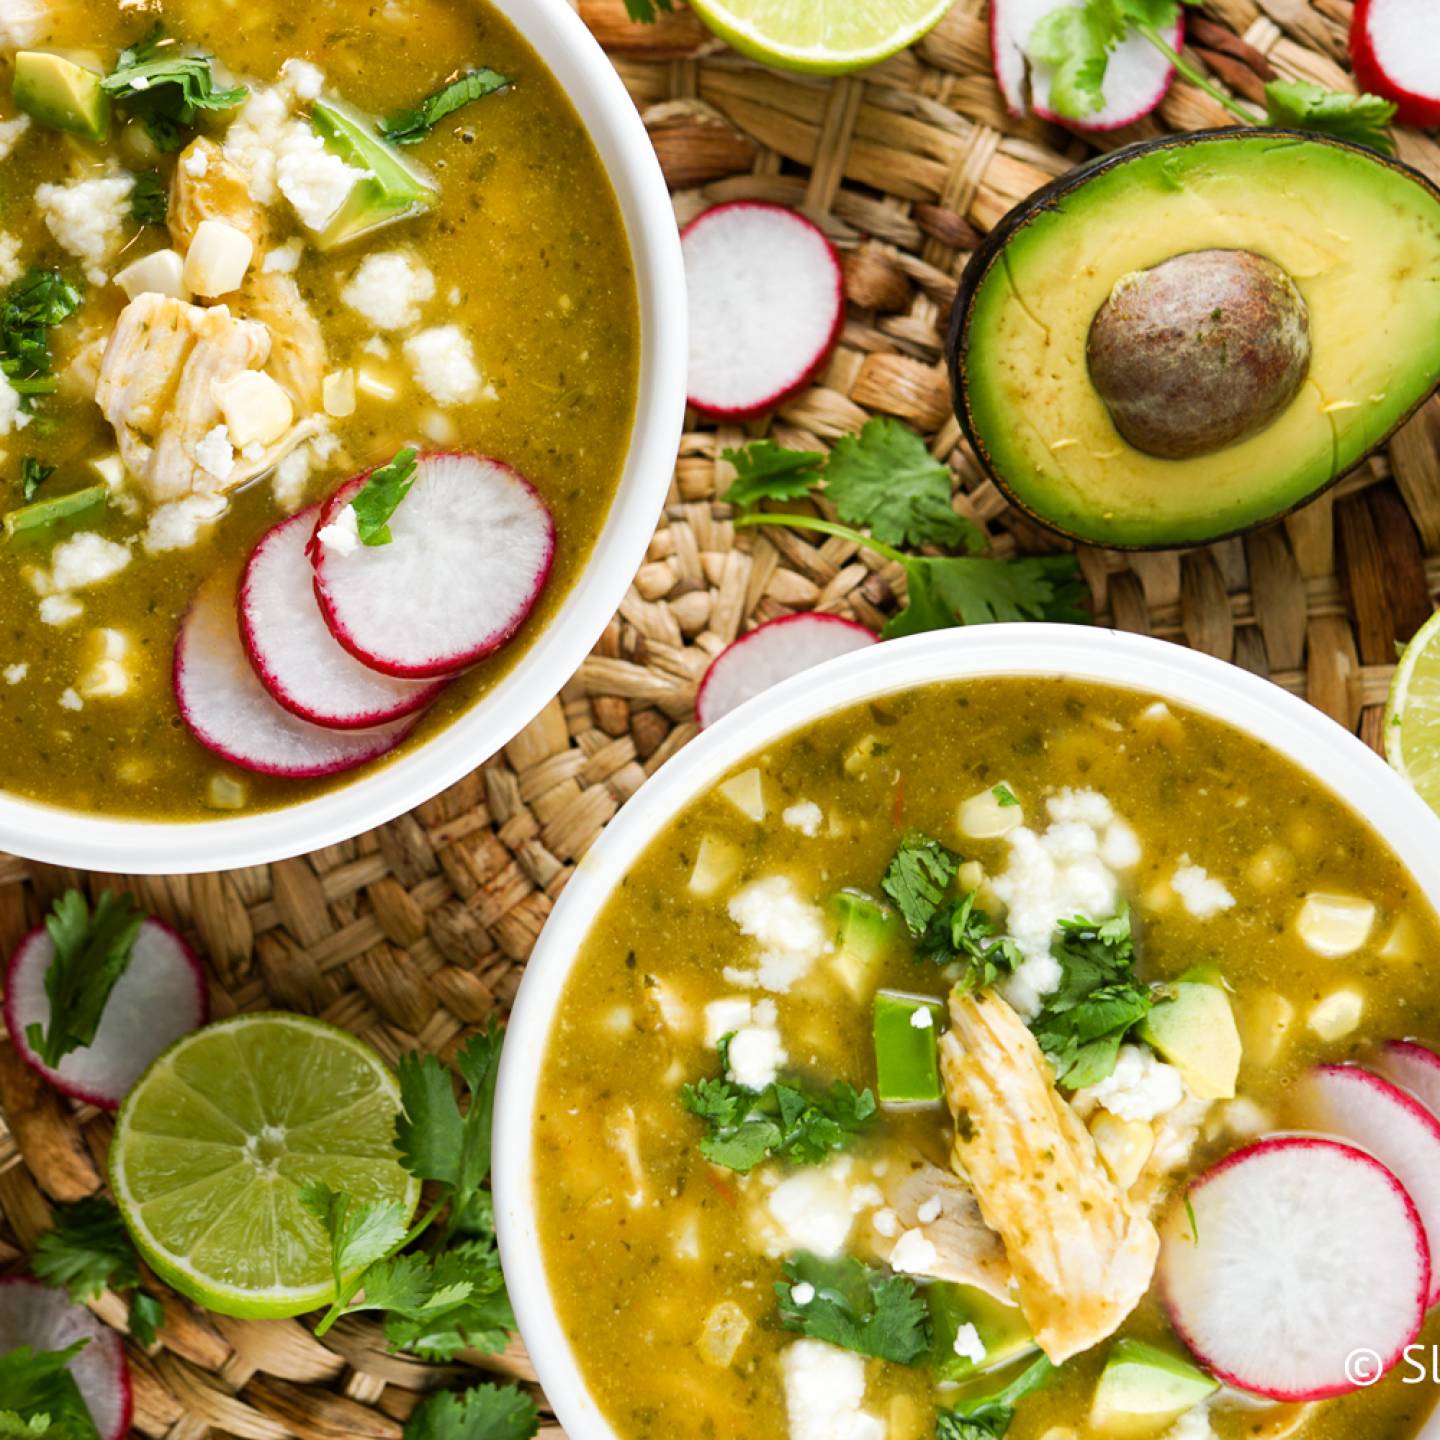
<point>29,310</point>
<point>787,1119</point>
<point>886,481</point>
<point>88,1251</point>
<point>856,1307</point>
<point>92,952</point>
<point>32,476</point>
<point>379,497</point>
<point>484,1412</point>
<point>39,1396</point>
<point>988,1417</point>
<point>167,89</point>
<point>449,1295</point>
<point>150,199</point>
<point>1075,42</point>
<point>410,127</point>
<point>643,12</point>
<point>917,878</point>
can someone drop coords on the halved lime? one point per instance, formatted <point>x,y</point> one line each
<point>215,1140</point>
<point>826,37</point>
<point>1412,714</point>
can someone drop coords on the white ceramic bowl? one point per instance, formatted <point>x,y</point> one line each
<point>43,832</point>
<point>1331,754</point>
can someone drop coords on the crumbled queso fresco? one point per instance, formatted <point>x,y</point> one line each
<point>791,934</point>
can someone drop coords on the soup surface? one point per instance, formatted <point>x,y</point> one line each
<point>767,922</point>
<point>499,317</point>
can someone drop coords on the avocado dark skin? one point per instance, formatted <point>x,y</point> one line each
<point>1199,352</point>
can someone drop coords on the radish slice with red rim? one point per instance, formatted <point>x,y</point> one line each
<point>228,711</point>
<point>160,997</point>
<point>33,1315</point>
<point>1370,1112</point>
<point>767,303</point>
<point>473,544</point>
<point>1137,75</point>
<point>298,660</point>
<point>1293,1256</point>
<point>1414,1067</point>
<point>771,653</point>
<point>1395,46</point>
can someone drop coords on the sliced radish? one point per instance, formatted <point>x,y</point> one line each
<point>33,1315</point>
<point>1395,46</point>
<point>296,657</point>
<point>773,652</point>
<point>229,711</point>
<point>471,551</point>
<point>767,301</point>
<point>1136,77</point>
<point>160,997</point>
<point>1370,1112</point>
<point>1301,1252</point>
<point>1414,1067</point>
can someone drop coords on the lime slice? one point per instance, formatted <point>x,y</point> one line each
<point>1412,714</point>
<point>823,36</point>
<point>215,1140</point>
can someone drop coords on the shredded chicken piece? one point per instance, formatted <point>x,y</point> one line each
<point>1082,1257</point>
<point>968,1251</point>
<point>157,388</point>
<point>208,186</point>
<point>297,355</point>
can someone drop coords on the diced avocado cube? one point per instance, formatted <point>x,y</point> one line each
<point>1000,1328</point>
<point>1196,1032</point>
<point>907,1062</point>
<point>866,931</point>
<point>1141,1379</point>
<point>61,94</point>
<point>394,188</point>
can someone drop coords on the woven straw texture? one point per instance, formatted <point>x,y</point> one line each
<point>414,934</point>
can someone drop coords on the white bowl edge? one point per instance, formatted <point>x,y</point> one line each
<point>1336,758</point>
<point>137,846</point>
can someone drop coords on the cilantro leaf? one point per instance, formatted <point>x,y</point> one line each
<point>643,11</point>
<point>988,1417</point>
<point>380,496</point>
<point>31,308</point>
<point>32,476</point>
<point>479,1066</point>
<point>410,127</point>
<point>917,878</point>
<point>1299,105</point>
<point>360,1232</point>
<point>886,480</point>
<point>147,1315</point>
<point>1004,795</point>
<point>464,1305</point>
<point>961,931</point>
<point>1074,42</point>
<point>965,590</point>
<point>166,88</point>
<point>150,199</point>
<point>787,1119</point>
<point>39,1396</point>
<point>1084,1022</point>
<point>767,471</point>
<point>91,954</point>
<point>856,1307</point>
<point>485,1412</point>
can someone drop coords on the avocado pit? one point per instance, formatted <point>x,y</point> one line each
<point>1199,352</point>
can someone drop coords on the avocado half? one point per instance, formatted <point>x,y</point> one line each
<point>1357,232</point>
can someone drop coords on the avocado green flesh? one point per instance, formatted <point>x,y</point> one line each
<point>1196,1032</point>
<point>1141,1379</point>
<point>61,94</point>
<point>1360,239</point>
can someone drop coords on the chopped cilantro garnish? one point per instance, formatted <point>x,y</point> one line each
<point>917,878</point>
<point>786,1119</point>
<point>961,931</point>
<point>32,476</point>
<point>484,1412</point>
<point>87,1251</point>
<point>39,1396</point>
<point>856,1307</point>
<point>1190,1216</point>
<point>988,1417</point>
<point>92,952</point>
<point>167,88</point>
<point>410,127</point>
<point>380,496</point>
<point>1004,794</point>
<point>150,199</point>
<point>31,308</point>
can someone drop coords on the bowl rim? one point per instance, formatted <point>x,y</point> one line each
<point>44,832</point>
<point>1347,767</point>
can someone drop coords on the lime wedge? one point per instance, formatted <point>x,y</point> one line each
<point>1412,714</point>
<point>821,36</point>
<point>215,1140</point>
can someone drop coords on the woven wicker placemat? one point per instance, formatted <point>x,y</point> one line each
<point>414,934</point>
